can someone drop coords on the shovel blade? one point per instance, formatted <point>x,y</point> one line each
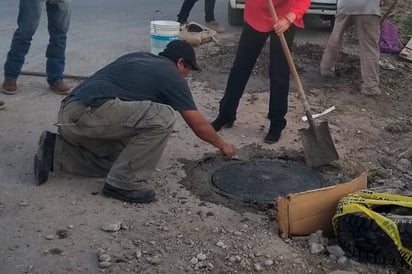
<point>318,145</point>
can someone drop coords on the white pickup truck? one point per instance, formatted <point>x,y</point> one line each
<point>325,8</point>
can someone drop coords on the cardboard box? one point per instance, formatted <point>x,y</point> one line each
<point>406,52</point>
<point>306,212</point>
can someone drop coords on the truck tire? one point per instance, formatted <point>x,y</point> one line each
<point>360,237</point>
<point>235,16</point>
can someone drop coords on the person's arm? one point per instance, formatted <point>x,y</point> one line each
<point>204,130</point>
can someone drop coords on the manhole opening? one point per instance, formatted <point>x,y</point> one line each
<point>262,181</point>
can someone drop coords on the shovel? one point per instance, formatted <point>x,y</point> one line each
<point>318,146</point>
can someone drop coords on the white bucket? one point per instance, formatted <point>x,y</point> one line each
<point>162,32</point>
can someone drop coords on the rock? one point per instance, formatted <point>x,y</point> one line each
<point>194,260</point>
<point>50,237</point>
<point>237,233</point>
<point>105,258</point>
<point>404,164</point>
<point>210,266</point>
<point>70,226</point>
<point>332,257</point>
<point>336,250</point>
<point>138,253</point>
<point>201,257</point>
<point>113,227</point>
<point>316,248</point>
<point>317,238</point>
<point>156,260</point>
<point>199,265</point>
<point>269,262</point>
<point>221,244</point>
<point>23,203</point>
<point>342,260</point>
<point>105,264</point>
<point>258,267</point>
<point>407,154</point>
<point>100,251</point>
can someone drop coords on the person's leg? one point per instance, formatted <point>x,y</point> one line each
<point>334,45</point>
<point>122,139</point>
<point>210,10</point>
<point>279,72</point>
<point>367,27</point>
<point>27,22</point>
<point>249,48</point>
<point>210,16</point>
<point>58,14</point>
<point>185,11</point>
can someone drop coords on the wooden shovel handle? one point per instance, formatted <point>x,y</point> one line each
<point>292,67</point>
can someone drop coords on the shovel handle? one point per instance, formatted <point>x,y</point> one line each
<point>292,67</point>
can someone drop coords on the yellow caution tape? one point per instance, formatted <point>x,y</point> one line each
<point>364,201</point>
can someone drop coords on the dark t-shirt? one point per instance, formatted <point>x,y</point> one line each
<point>136,77</point>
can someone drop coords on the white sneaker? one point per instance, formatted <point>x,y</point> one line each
<point>215,26</point>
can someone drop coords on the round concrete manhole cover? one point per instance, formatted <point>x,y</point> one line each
<point>262,181</point>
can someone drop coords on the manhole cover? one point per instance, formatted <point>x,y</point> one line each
<point>262,181</point>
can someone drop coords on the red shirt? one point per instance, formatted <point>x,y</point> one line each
<point>257,13</point>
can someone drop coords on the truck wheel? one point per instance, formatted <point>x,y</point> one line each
<point>235,16</point>
<point>364,240</point>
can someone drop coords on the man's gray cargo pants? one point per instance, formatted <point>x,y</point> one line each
<point>121,140</point>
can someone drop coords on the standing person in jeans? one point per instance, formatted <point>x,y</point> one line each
<point>58,15</point>
<point>209,14</point>
<point>258,27</point>
<point>116,123</point>
<point>365,15</point>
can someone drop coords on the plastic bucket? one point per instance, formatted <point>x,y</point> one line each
<point>162,32</point>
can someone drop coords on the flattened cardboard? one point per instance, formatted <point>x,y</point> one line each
<point>406,52</point>
<point>306,212</point>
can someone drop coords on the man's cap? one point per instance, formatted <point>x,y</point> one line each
<point>181,49</point>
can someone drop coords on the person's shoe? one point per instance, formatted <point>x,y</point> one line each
<point>220,123</point>
<point>60,87</point>
<point>9,86</point>
<point>327,73</point>
<point>371,92</point>
<point>2,105</point>
<point>43,159</point>
<point>183,26</point>
<point>275,132</point>
<point>215,26</point>
<point>144,195</point>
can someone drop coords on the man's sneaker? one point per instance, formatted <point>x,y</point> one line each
<point>9,86</point>
<point>43,159</point>
<point>144,195</point>
<point>215,26</point>
<point>60,87</point>
<point>2,105</point>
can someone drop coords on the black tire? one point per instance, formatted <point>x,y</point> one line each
<point>234,16</point>
<point>364,240</point>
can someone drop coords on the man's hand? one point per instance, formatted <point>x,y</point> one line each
<point>204,130</point>
<point>228,150</point>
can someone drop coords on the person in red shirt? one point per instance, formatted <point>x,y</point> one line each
<point>258,27</point>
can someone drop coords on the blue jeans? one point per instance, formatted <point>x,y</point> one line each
<point>188,5</point>
<point>58,14</point>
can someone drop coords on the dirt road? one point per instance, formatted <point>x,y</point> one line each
<point>67,226</point>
